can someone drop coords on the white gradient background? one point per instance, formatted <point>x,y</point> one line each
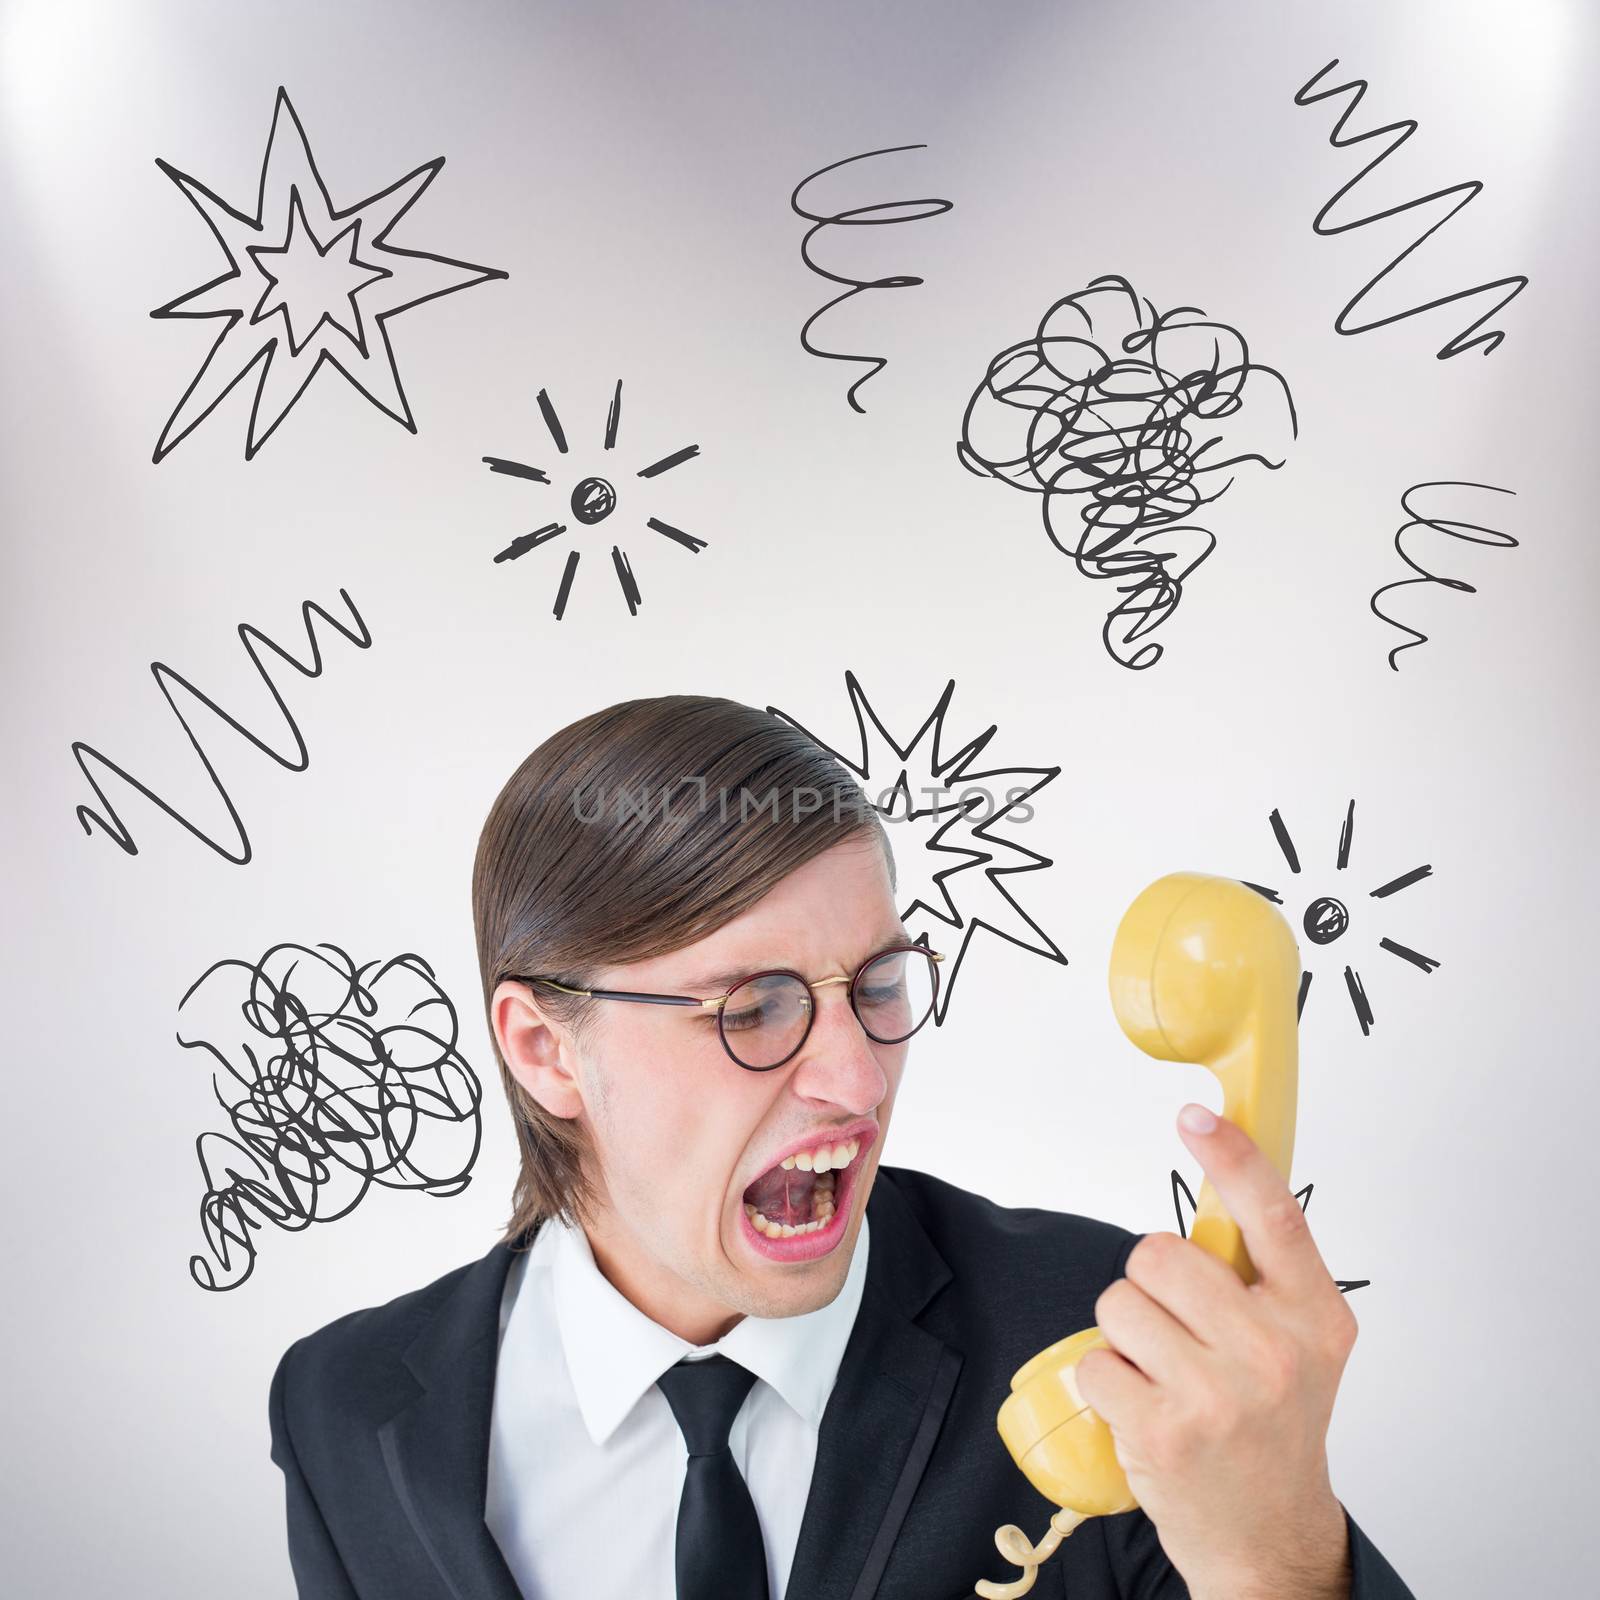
<point>629,166</point>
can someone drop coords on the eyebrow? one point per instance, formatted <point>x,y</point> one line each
<point>727,978</point>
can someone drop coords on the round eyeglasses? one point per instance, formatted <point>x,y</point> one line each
<point>766,1017</point>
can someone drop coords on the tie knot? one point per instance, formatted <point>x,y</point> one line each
<point>705,1396</point>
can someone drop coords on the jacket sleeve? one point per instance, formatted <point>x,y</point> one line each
<point>1143,1572</point>
<point>319,1574</point>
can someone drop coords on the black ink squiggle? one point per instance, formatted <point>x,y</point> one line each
<point>1345,1285</point>
<point>883,213</point>
<point>1447,525</point>
<point>1112,428</point>
<point>113,826</point>
<point>1467,192</point>
<point>334,1102</point>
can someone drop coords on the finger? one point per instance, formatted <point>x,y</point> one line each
<point>1255,1195</point>
<point>1115,1388</point>
<point>1194,1286</point>
<point>1144,1332</point>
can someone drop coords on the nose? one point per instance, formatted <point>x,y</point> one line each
<point>839,1063</point>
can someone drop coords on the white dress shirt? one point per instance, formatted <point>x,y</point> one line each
<point>586,1460</point>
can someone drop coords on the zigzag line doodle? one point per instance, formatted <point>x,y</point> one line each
<point>1453,529</point>
<point>1467,191</point>
<point>113,826</point>
<point>880,214</point>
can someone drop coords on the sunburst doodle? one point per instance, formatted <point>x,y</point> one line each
<point>951,867</point>
<point>305,284</point>
<point>1181,1192</point>
<point>1326,918</point>
<point>591,501</point>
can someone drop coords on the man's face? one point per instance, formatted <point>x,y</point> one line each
<point>679,1132</point>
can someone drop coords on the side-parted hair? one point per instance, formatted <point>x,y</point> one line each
<point>632,832</point>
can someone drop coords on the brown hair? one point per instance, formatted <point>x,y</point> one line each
<point>634,831</point>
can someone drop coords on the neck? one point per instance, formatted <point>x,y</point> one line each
<point>659,1293</point>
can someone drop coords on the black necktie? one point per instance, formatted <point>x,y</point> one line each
<point>719,1553</point>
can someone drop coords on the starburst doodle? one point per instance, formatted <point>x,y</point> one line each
<point>954,818</point>
<point>1180,1188</point>
<point>1327,918</point>
<point>592,500</point>
<point>306,284</point>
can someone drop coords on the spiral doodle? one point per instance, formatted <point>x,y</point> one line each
<point>880,214</point>
<point>331,1099</point>
<point>1451,528</point>
<point>1102,412</point>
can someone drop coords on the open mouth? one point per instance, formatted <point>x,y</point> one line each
<point>807,1193</point>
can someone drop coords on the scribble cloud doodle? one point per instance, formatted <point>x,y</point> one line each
<point>1110,411</point>
<point>334,1078</point>
<point>1451,527</point>
<point>950,865</point>
<point>1452,200</point>
<point>113,826</point>
<point>592,500</point>
<point>1184,1203</point>
<point>1326,918</point>
<point>884,213</point>
<point>306,284</point>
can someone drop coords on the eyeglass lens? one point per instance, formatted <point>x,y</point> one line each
<point>765,1018</point>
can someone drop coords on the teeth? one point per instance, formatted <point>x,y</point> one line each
<point>782,1230</point>
<point>824,1158</point>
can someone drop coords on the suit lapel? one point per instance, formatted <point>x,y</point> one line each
<point>437,1446</point>
<point>883,1416</point>
<point>878,1430</point>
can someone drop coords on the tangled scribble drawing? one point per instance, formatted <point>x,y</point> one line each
<point>1108,410</point>
<point>1451,527</point>
<point>948,823</point>
<point>1182,1194</point>
<point>1326,918</point>
<point>1459,193</point>
<point>341,1077</point>
<point>883,213</point>
<point>113,826</point>
<point>306,283</point>
<point>592,500</point>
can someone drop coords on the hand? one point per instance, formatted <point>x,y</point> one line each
<point>1218,1393</point>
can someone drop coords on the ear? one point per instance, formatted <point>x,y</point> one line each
<point>539,1051</point>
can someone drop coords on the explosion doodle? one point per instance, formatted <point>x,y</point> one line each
<point>304,281</point>
<point>953,824</point>
<point>330,1099</point>
<point>1302,1195</point>
<point>592,500</point>
<point>1326,919</point>
<point>1101,412</point>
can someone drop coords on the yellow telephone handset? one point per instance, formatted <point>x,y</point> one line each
<point>1203,969</point>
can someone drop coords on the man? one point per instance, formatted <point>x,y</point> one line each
<point>724,1352</point>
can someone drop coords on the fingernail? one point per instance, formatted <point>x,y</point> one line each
<point>1197,1119</point>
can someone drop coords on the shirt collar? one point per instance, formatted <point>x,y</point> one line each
<point>614,1352</point>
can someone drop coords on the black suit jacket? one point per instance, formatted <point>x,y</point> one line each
<point>380,1422</point>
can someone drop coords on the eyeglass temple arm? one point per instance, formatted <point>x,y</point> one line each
<point>629,994</point>
<point>691,1000</point>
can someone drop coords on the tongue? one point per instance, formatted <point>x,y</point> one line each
<point>783,1194</point>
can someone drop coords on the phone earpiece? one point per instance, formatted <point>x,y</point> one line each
<point>1203,969</point>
